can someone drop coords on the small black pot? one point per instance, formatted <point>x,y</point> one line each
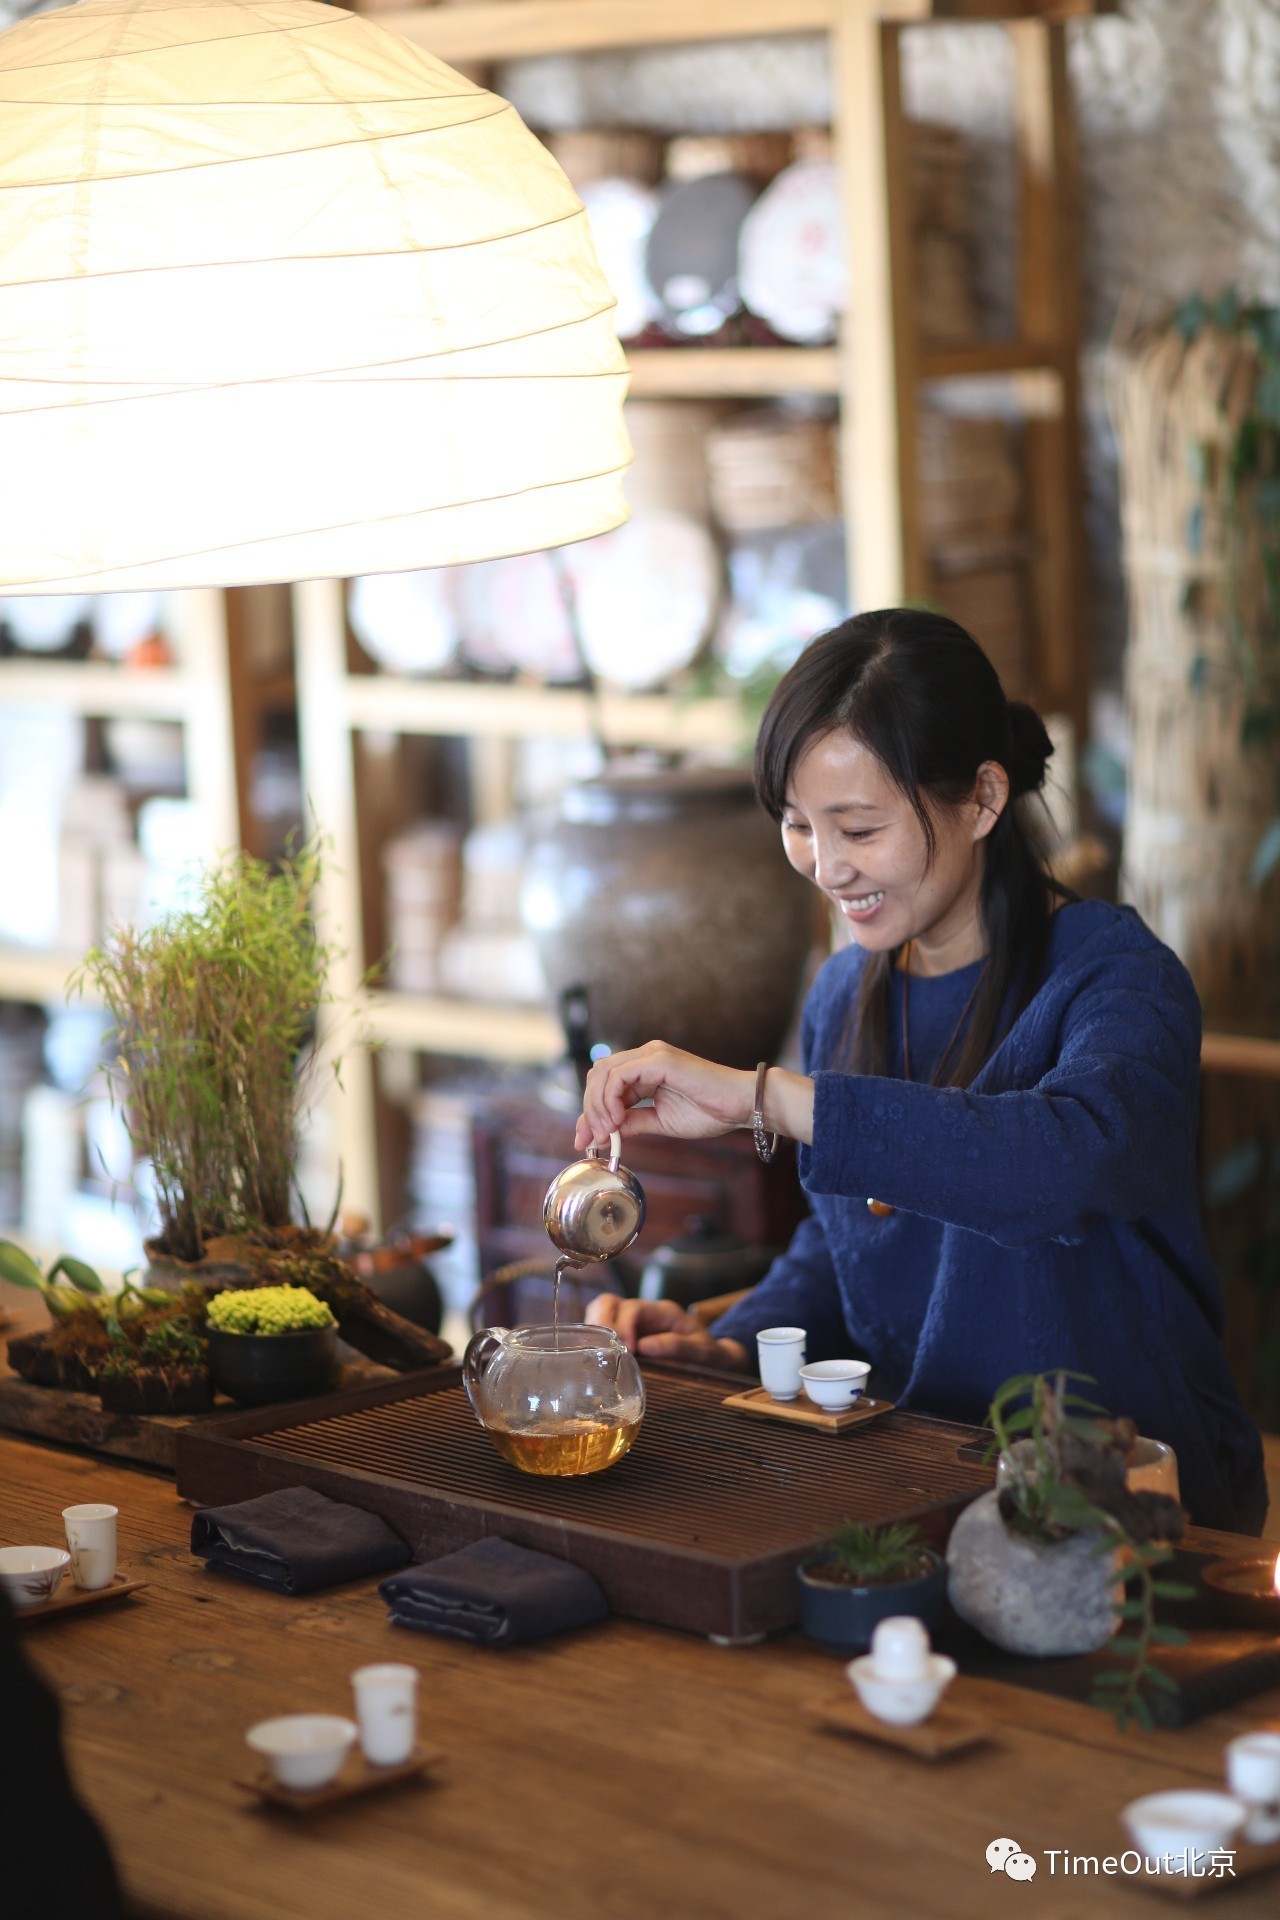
<point>257,1368</point>
<point>842,1619</point>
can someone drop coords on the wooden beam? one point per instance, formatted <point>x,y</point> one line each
<point>510,29</point>
<point>749,372</point>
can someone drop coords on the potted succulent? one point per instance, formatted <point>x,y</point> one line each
<point>271,1343</point>
<point>1062,1555</point>
<point>215,1015</point>
<point>862,1576</point>
<point>142,1350</point>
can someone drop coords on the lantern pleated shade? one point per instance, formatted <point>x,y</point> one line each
<point>283,297</point>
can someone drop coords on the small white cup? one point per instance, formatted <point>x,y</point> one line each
<point>91,1538</point>
<point>303,1750</point>
<point>900,1648</point>
<point>386,1712</point>
<point>781,1355</point>
<point>1253,1768</point>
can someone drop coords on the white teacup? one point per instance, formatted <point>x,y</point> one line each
<point>386,1712</point>
<point>91,1537</point>
<point>781,1355</point>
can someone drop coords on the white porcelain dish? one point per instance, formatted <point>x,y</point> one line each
<point>1181,1824</point>
<point>901,1703</point>
<point>32,1574</point>
<point>833,1384</point>
<point>304,1750</point>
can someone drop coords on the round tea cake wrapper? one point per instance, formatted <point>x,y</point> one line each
<point>792,270</point>
<point>622,214</point>
<point>692,253</point>
<point>407,622</point>
<point>647,596</point>
<point>514,615</point>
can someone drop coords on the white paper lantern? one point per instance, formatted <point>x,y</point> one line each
<point>284,297</point>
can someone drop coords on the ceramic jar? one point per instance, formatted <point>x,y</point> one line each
<point>668,896</point>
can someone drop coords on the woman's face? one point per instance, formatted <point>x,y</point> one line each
<point>847,828</point>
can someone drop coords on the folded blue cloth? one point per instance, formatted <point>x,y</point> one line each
<point>494,1594</point>
<point>295,1540</point>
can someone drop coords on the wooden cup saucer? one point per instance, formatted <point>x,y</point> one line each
<point>801,1412</point>
<point>949,1729</point>
<point>357,1778</point>
<point>71,1599</point>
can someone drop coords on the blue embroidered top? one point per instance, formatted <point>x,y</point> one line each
<point>1045,1216</point>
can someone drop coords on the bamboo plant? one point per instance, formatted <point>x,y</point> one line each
<point>214,1010</point>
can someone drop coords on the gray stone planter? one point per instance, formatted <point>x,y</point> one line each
<point>1028,1598</point>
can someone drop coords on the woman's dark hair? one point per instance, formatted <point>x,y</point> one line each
<point>921,695</point>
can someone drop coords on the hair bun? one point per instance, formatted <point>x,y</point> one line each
<point>1029,749</point>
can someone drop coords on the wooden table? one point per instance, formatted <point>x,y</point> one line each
<point>622,1773</point>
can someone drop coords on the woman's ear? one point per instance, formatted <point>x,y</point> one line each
<point>990,797</point>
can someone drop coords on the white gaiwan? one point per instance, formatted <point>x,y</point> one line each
<point>1176,1826</point>
<point>901,1680</point>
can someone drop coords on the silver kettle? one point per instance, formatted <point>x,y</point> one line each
<point>595,1208</point>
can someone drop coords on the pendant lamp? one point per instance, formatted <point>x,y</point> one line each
<point>283,297</point>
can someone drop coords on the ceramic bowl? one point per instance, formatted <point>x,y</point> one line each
<point>257,1369</point>
<point>32,1574</point>
<point>834,1384</point>
<point>1182,1823</point>
<point>304,1750</point>
<point>901,1703</point>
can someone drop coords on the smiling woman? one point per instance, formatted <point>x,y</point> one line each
<point>997,1115</point>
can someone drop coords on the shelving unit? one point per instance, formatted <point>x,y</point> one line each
<point>878,372</point>
<point>211,694</point>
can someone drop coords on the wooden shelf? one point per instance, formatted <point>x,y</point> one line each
<point>392,704</point>
<point>27,973</point>
<point>89,687</point>
<point>678,373</point>
<point>471,1029</point>
<point>511,29</point>
<point>1240,1053</point>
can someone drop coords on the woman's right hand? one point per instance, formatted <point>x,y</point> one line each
<point>660,1330</point>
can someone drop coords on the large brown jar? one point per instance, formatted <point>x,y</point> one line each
<point>668,896</point>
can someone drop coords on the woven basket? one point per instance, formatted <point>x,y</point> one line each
<point>1200,797</point>
<point>760,156</point>
<point>971,483</point>
<point>771,468</point>
<point>609,153</point>
<point>991,603</point>
<point>670,438</point>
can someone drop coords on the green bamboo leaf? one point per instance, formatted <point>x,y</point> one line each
<point>1172,1590</point>
<point>1157,1677</point>
<point>1169,1636</point>
<point>1124,1643</point>
<point>18,1268</point>
<point>1133,1610</point>
<point>1142,1714</point>
<point>78,1274</point>
<point>1111,1680</point>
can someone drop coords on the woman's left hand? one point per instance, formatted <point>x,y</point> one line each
<point>693,1099</point>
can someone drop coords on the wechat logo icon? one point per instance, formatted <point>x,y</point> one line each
<point>1007,1857</point>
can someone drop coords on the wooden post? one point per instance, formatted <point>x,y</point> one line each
<point>1049,314</point>
<point>200,620</point>
<point>878,421</point>
<point>328,778</point>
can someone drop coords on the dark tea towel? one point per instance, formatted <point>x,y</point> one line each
<point>494,1594</point>
<point>295,1540</point>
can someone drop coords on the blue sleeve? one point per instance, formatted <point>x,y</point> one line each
<point>1108,1131</point>
<point>799,1290</point>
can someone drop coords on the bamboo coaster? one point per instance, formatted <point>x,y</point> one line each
<point>759,1402</point>
<point>1246,1861</point>
<point>357,1778</point>
<point>70,1599</point>
<point>949,1729</point>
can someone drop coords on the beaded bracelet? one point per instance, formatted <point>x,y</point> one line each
<point>766,1143</point>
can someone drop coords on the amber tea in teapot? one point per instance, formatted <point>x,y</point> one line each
<point>555,1400</point>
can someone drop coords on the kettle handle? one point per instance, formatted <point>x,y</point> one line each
<point>476,1361</point>
<point>615,1151</point>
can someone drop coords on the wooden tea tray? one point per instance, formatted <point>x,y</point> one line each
<point>802,1412</point>
<point>356,1779</point>
<point>71,1599</point>
<point>949,1729</point>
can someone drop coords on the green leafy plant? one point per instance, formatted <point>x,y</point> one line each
<point>1071,1481</point>
<point>862,1556</point>
<point>214,1012</point>
<point>268,1310</point>
<point>20,1270</point>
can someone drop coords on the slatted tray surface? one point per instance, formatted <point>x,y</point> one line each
<point>700,1526</point>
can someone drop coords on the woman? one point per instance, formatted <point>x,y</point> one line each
<point>997,1116</point>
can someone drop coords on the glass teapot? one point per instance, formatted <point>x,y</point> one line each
<point>555,1400</point>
